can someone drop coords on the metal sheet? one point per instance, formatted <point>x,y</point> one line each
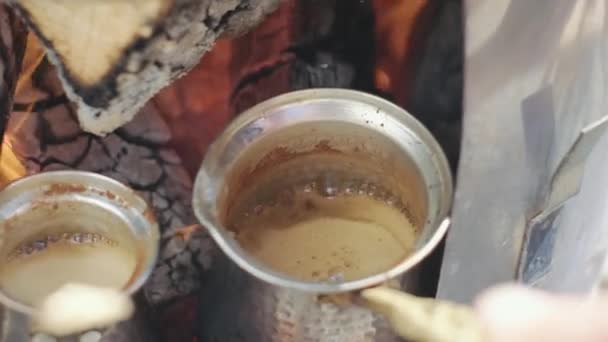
<point>535,77</point>
<point>538,249</point>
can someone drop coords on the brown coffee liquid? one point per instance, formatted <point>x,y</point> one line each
<point>38,268</point>
<point>326,232</point>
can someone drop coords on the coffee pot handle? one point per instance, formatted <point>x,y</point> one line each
<point>424,319</point>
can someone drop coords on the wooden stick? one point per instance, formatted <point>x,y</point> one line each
<point>424,319</point>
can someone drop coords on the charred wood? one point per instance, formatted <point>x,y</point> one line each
<point>113,56</point>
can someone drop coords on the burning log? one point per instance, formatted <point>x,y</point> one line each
<point>113,56</point>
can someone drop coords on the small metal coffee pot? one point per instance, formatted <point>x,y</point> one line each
<point>244,300</point>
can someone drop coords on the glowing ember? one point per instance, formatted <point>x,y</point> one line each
<point>10,167</point>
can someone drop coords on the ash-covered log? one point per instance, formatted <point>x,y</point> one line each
<point>113,56</point>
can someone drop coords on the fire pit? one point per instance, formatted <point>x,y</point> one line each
<point>409,52</point>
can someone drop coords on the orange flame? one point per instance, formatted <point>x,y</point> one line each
<point>396,21</point>
<point>11,167</point>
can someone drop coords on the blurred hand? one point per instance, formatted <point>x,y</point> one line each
<point>514,313</point>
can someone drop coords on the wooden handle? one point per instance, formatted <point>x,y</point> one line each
<point>424,319</point>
